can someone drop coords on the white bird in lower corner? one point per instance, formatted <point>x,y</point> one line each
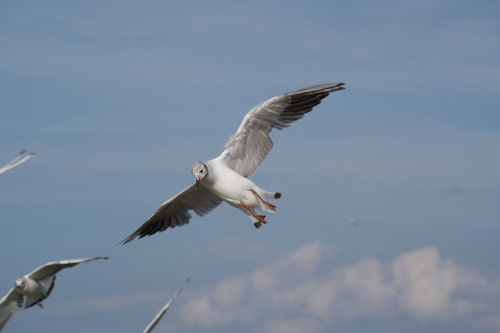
<point>16,161</point>
<point>36,286</point>
<point>160,314</point>
<point>225,178</point>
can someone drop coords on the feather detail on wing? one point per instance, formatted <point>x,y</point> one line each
<point>52,268</point>
<point>175,212</point>
<point>249,146</point>
<point>9,305</point>
<point>16,161</point>
<point>160,314</point>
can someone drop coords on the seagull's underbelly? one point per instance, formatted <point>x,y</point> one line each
<point>235,191</point>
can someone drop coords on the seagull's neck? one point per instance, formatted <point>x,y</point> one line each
<point>216,170</point>
<point>213,171</point>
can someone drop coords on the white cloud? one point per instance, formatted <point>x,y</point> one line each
<point>202,311</point>
<point>295,267</point>
<point>231,291</point>
<point>304,291</point>
<point>426,284</point>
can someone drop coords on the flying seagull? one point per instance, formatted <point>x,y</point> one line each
<point>225,178</point>
<point>36,286</point>
<point>16,161</point>
<point>160,314</point>
<point>354,221</point>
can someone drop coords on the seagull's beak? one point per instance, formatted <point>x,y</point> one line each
<point>197,182</point>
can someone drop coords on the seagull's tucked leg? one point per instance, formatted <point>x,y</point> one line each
<point>258,217</point>
<point>273,207</point>
<point>39,304</point>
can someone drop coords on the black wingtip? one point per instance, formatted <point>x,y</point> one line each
<point>277,195</point>
<point>144,230</point>
<point>338,86</point>
<point>126,240</point>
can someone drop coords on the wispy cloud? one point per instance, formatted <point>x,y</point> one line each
<point>388,47</point>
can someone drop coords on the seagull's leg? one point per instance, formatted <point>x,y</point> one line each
<point>258,217</point>
<point>39,304</point>
<point>273,207</point>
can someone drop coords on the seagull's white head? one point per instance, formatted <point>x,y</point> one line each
<point>20,284</point>
<point>199,171</point>
<point>26,286</point>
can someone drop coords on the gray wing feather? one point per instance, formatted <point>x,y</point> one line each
<point>249,146</point>
<point>175,212</point>
<point>16,161</point>
<point>160,314</point>
<point>9,305</point>
<point>51,268</point>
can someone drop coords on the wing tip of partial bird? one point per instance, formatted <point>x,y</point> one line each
<point>94,259</point>
<point>126,240</point>
<point>141,232</point>
<point>337,86</point>
<point>323,88</point>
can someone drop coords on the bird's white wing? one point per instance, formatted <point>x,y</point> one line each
<point>160,314</point>
<point>175,212</point>
<point>9,305</point>
<point>16,161</point>
<point>249,146</point>
<point>51,268</point>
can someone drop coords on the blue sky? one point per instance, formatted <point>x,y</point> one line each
<point>119,98</point>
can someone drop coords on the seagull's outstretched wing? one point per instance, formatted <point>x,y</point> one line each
<point>160,314</point>
<point>9,305</point>
<point>249,146</point>
<point>51,268</point>
<point>45,275</point>
<point>16,161</point>
<point>175,212</point>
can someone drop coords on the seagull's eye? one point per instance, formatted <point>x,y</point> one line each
<point>201,171</point>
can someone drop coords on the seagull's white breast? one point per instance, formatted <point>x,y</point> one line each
<point>228,185</point>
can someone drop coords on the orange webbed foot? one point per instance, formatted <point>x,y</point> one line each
<point>261,218</point>
<point>270,205</point>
